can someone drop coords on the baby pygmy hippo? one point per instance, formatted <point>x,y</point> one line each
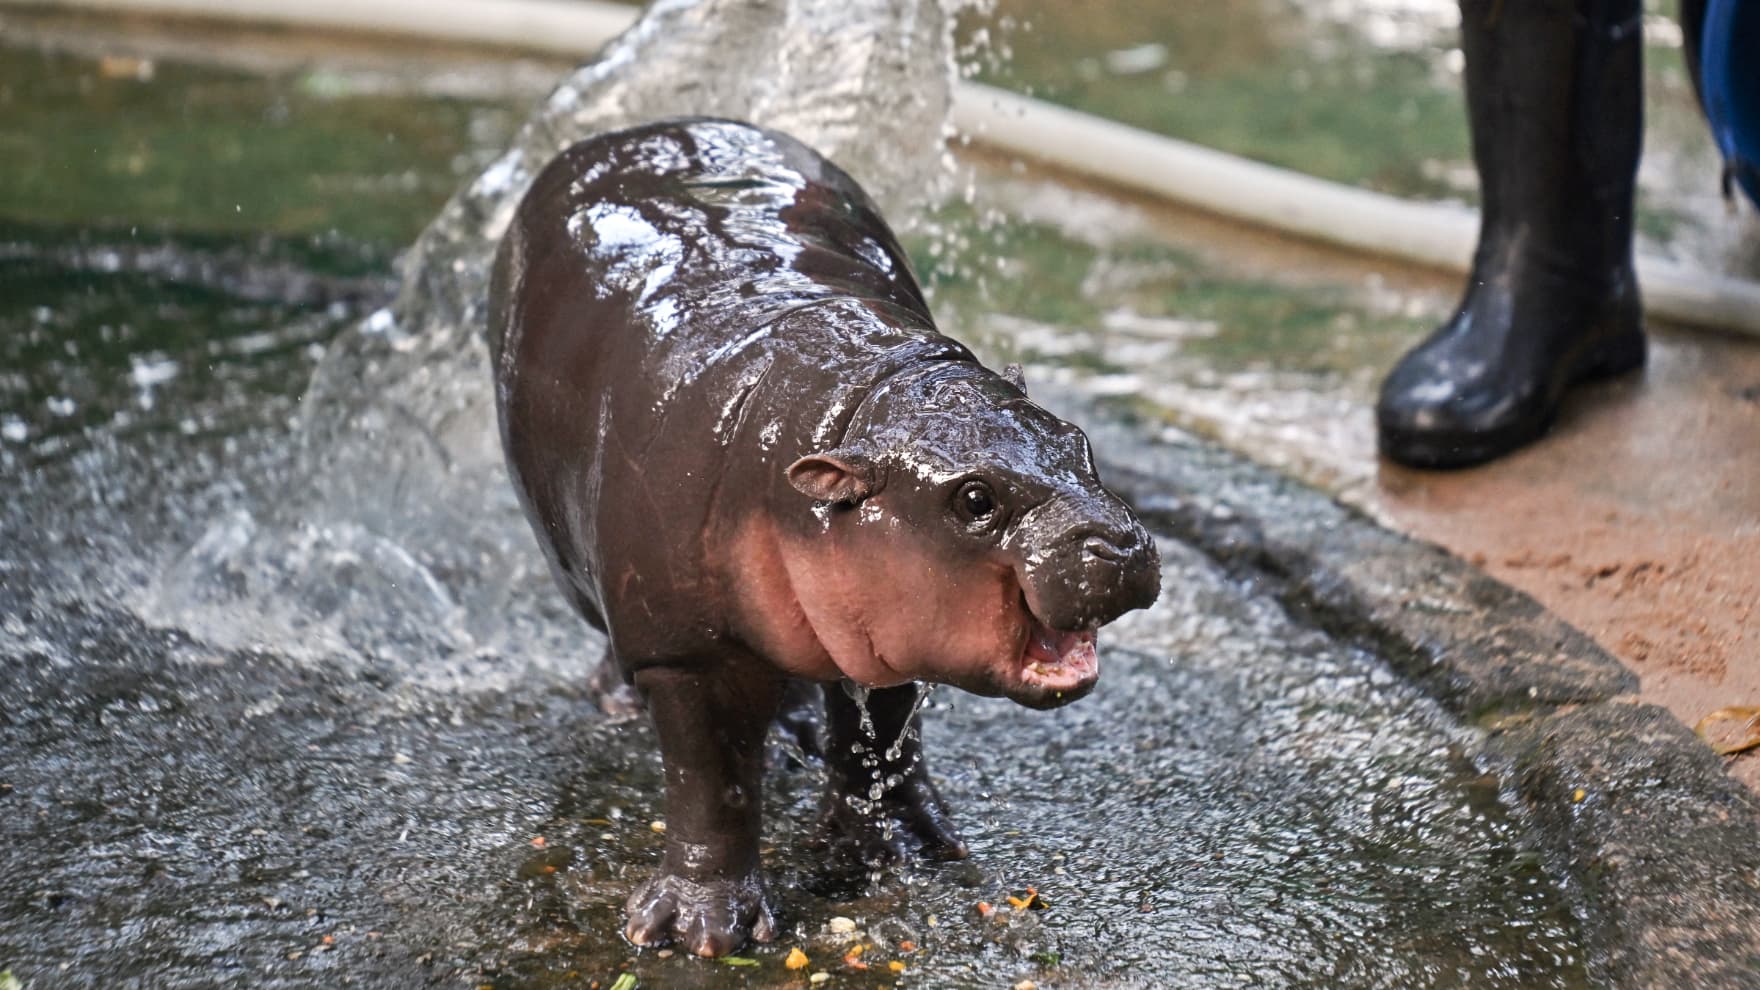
<point>751,458</point>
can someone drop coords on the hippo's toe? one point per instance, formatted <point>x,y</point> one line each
<point>709,917</point>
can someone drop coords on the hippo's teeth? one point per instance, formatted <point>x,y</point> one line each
<point>1059,660</point>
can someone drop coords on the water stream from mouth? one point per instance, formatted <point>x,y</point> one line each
<point>289,695</point>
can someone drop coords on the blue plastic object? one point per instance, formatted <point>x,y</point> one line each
<point>1729,78</point>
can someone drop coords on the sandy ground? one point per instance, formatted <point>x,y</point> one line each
<point>1637,520</point>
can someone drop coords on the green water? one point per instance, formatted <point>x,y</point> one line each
<point>200,150</point>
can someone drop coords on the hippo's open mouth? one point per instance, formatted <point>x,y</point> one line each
<point>1059,663</point>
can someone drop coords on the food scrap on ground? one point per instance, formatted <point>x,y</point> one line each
<point>1746,737</point>
<point>796,959</point>
<point>625,981</point>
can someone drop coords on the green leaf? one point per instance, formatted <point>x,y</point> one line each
<point>625,981</point>
<point>738,961</point>
<point>10,982</point>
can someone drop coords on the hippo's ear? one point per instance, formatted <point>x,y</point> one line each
<point>834,476</point>
<point>1016,376</point>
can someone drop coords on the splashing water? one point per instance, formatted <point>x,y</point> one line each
<point>402,498</point>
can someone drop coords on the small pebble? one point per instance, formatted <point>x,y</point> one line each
<point>819,977</point>
<point>842,926</point>
<point>1026,985</point>
<point>664,953</point>
<point>401,759</point>
<point>657,826</point>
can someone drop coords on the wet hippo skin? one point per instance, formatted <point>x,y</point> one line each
<point>753,461</point>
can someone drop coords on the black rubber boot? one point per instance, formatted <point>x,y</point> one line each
<point>1692,18</point>
<point>1555,101</point>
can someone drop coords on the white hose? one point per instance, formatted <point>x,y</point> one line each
<point>1436,235</point>
<point>569,27</point>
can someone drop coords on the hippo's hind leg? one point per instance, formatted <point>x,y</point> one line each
<point>802,717</point>
<point>610,689</point>
<point>712,721</point>
<point>882,748</point>
<point>616,697</point>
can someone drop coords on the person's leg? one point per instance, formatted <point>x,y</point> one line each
<point>1555,102</point>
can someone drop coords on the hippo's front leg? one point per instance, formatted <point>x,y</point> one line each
<point>884,755</point>
<point>712,720</point>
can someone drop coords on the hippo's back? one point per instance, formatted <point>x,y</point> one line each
<point>678,231</point>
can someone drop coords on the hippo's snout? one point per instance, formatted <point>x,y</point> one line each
<point>1095,572</point>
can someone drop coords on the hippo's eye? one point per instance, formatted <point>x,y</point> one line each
<point>974,501</point>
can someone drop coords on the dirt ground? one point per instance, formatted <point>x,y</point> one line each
<point>1637,520</point>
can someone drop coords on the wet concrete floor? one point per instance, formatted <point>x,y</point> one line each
<point>1243,802</point>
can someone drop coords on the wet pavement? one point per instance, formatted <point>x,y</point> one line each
<point>356,799</point>
<point>1277,809</point>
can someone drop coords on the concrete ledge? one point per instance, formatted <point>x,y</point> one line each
<point>1660,844</point>
<point>1475,644</point>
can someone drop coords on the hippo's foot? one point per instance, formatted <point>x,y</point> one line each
<point>617,699</point>
<point>708,917</point>
<point>802,718</point>
<point>910,819</point>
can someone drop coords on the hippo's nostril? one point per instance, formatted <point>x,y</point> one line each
<point>1099,546</point>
